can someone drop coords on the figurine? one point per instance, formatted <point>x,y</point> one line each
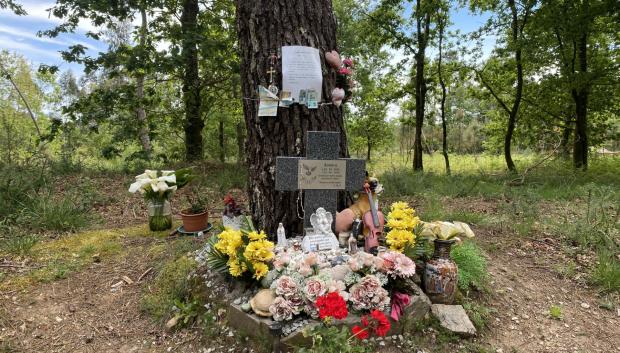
<point>321,237</point>
<point>282,236</point>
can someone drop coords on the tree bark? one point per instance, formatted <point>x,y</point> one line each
<point>264,26</point>
<point>221,141</point>
<point>240,143</point>
<point>368,149</point>
<point>514,112</point>
<point>422,21</point>
<point>444,128</point>
<point>580,95</point>
<point>191,82</point>
<point>143,130</point>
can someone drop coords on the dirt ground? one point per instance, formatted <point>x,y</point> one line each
<point>89,311</point>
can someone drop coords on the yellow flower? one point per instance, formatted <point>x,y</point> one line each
<point>398,239</point>
<point>257,236</point>
<point>399,205</point>
<point>260,269</point>
<point>235,267</point>
<point>229,241</point>
<point>260,250</point>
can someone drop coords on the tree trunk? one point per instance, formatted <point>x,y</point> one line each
<point>264,26</point>
<point>565,142</point>
<point>514,112</point>
<point>420,85</point>
<point>191,82</point>
<point>368,149</point>
<point>221,140</point>
<point>143,130</point>
<point>444,128</point>
<point>240,143</point>
<point>580,96</point>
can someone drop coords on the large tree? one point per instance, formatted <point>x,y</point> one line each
<point>264,26</point>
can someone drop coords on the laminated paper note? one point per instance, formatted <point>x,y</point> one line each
<point>268,105</point>
<point>301,70</point>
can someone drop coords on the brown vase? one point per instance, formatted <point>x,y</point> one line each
<point>194,222</point>
<point>440,274</point>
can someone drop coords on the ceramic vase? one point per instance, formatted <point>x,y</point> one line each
<point>160,215</point>
<point>440,274</point>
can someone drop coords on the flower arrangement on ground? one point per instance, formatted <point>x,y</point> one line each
<point>402,222</point>
<point>157,187</point>
<point>246,253</point>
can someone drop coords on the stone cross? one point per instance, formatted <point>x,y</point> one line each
<point>320,185</point>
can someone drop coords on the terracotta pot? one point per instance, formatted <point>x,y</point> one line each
<point>194,222</point>
<point>440,274</point>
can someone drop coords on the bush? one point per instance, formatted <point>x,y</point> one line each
<point>472,266</point>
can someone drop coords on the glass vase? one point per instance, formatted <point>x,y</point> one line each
<point>160,215</point>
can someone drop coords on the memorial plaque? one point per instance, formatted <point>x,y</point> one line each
<point>319,242</point>
<point>322,175</point>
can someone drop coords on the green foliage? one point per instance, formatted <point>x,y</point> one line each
<point>44,212</point>
<point>479,314</point>
<point>331,339</point>
<point>18,244</point>
<point>555,312</point>
<point>170,286</point>
<point>606,274</point>
<point>472,266</point>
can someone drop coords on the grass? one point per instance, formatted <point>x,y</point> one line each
<point>472,266</point>
<point>580,208</point>
<point>170,285</point>
<point>57,258</point>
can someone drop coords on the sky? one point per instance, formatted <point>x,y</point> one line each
<point>18,34</point>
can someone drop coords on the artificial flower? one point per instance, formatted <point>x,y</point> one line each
<point>332,305</point>
<point>257,235</point>
<point>260,269</point>
<point>259,250</point>
<point>359,332</point>
<point>281,309</point>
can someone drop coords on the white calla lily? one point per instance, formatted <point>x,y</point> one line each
<point>171,179</point>
<point>138,185</point>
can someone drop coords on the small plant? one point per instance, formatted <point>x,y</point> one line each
<point>472,266</point>
<point>555,312</point>
<point>197,204</point>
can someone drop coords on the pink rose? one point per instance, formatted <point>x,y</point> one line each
<point>311,259</point>
<point>286,287</point>
<point>355,265</point>
<point>368,294</point>
<point>281,309</point>
<point>305,270</point>
<point>314,288</point>
<point>348,62</point>
<point>344,71</point>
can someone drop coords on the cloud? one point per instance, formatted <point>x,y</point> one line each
<point>28,50</point>
<point>17,32</point>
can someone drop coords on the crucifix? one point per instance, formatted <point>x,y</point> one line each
<point>273,60</point>
<point>321,174</point>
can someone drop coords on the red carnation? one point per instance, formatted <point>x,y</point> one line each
<point>360,333</point>
<point>382,323</point>
<point>332,305</point>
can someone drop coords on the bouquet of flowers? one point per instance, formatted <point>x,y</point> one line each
<point>157,187</point>
<point>402,221</point>
<point>245,253</point>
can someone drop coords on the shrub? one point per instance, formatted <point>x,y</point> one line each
<point>472,266</point>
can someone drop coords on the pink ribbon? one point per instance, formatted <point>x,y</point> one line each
<point>399,301</point>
